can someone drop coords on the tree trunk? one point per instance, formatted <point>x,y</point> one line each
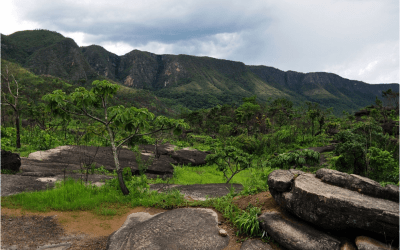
<point>17,127</point>
<point>124,189</point>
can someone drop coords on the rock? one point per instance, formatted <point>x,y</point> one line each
<point>184,228</point>
<point>37,174</point>
<point>190,156</point>
<point>281,180</point>
<point>73,157</point>
<point>255,245</point>
<point>358,183</point>
<point>366,243</point>
<point>161,166</point>
<point>292,233</point>
<point>336,208</point>
<point>165,149</point>
<point>223,233</point>
<point>392,192</point>
<point>10,161</point>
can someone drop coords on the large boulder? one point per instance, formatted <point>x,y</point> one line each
<point>184,228</point>
<point>75,156</point>
<point>336,208</point>
<point>10,161</point>
<point>190,156</point>
<point>294,234</point>
<point>358,183</point>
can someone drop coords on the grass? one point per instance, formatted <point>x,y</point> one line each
<point>108,199</point>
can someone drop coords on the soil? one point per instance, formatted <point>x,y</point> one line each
<point>83,229</point>
<point>86,230</point>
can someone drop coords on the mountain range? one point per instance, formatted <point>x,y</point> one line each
<point>191,81</point>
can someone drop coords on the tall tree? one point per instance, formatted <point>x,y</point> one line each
<point>120,123</point>
<point>10,97</point>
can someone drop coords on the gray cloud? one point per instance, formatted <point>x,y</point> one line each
<point>353,38</point>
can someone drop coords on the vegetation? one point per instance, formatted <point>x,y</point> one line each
<point>247,142</point>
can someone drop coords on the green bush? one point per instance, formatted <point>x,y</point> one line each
<point>382,165</point>
<point>297,159</point>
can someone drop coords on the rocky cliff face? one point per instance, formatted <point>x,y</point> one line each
<point>62,59</point>
<point>174,76</point>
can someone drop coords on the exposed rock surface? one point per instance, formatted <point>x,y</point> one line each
<point>10,161</point>
<point>332,207</point>
<point>366,243</point>
<point>294,234</point>
<point>74,157</point>
<point>358,183</point>
<point>184,228</point>
<point>255,245</point>
<point>190,156</point>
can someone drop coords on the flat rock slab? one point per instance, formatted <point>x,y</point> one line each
<point>74,157</point>
<point>294,234</point>
<point>199,191</point>
<point>255,245</point>
<point>336,208</point>
<point>184,228</point>
<point>14,184</point>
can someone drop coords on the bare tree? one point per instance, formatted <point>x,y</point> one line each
<point>13,104</point>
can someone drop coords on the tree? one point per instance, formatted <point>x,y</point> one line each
<point>391,99</point>
<point>11,99</point>
<point>119,123</point>
<point>314,112</point>
<point>247,111</point>
<point>230,158</point>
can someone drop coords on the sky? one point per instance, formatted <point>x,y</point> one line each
<point>356,39</point>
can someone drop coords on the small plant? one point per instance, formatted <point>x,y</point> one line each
<point>247,222</point>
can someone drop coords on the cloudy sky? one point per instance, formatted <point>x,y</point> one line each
<point>356,39</point>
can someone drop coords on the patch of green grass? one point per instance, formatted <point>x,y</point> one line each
<point>71,195</point>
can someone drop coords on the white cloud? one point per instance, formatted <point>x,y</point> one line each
<point>118,48</point>
<point>10,20</point>
<point>353,38</point>
<point>375,63</point>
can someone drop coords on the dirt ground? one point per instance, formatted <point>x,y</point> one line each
<point>86,230</point>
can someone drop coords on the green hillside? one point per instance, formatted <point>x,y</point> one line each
<point>183,81</point>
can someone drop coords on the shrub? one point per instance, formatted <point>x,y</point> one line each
<point>297,159</point>
<point>382,165</point>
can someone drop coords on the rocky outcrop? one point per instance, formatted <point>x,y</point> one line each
<point>292,233</point>
<point>10,161</point>
<point>336,202</point>
<point>358,183</point>
<point>187,156</point>
<point>184,228</point>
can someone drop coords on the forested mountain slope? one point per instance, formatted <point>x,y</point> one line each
<point>195,82</point>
